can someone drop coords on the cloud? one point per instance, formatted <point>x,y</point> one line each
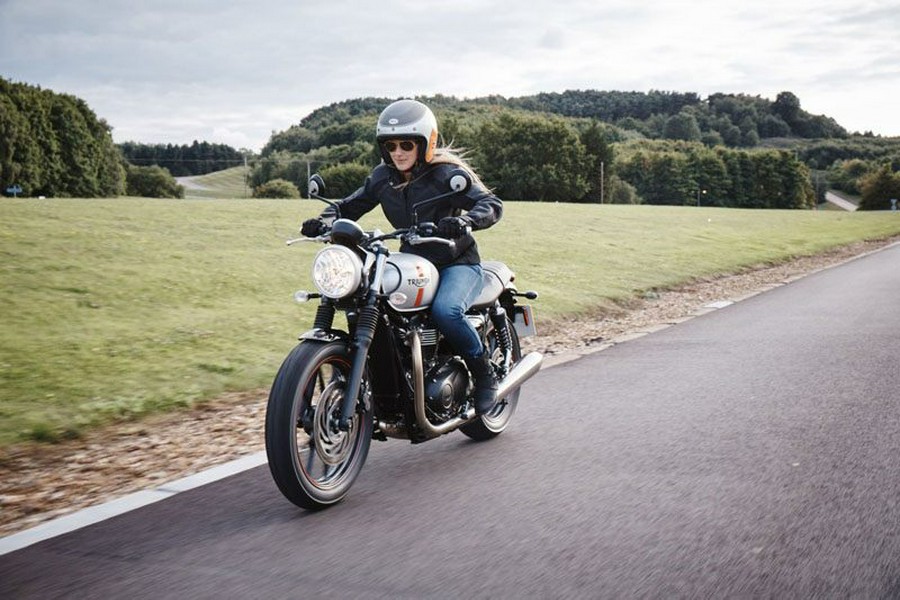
<point>553,38</point>
<point>179,70</point>
<point>883,17</point>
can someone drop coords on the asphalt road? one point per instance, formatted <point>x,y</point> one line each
<point>748,453</point>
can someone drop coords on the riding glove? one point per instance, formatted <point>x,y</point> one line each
<point>313,227</point>
<point>453,227</point>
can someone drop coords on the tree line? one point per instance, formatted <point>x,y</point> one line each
<point>692,174</point>
<point>54,145</point>
<point>577,146</point>
<point>526,155</point>
<point>592,146</point>
<point>198,158</point>
<point>734,120</point>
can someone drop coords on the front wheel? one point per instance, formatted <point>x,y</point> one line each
<point>311,460</point>
<point>492,424</point>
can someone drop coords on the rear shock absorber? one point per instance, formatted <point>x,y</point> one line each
<point>501,326</point>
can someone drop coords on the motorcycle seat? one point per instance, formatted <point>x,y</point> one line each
<point>496,277</point>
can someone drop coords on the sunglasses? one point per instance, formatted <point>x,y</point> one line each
<point>405,145</point>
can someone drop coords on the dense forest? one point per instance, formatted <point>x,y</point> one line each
<point>54,145</point>
<point>594,146</point>
<point>721,119</point>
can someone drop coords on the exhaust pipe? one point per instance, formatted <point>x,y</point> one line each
<point>415,346</point>
<point>524,370</point>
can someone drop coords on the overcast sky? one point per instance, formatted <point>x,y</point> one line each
<point>234,71</point>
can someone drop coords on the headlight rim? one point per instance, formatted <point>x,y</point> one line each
<point>352,268</point>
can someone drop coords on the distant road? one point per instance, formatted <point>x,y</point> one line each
<point>190,183</point>
<point>748,453</point>
<point>839,202</point>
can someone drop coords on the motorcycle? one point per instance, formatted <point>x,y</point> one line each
<point>389,373</point>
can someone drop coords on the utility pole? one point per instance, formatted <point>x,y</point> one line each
<point>246,178</point>
<point>602,191</point>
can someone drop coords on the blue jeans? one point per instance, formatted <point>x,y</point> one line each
<point>458,288</point>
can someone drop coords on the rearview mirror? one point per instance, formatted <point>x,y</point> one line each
<point>315,186</point>
<point>460,181</point>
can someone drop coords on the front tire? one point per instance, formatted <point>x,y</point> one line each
<point>312,462</point>
<point>492,424</point>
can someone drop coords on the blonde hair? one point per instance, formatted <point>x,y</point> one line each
<point>448,155</point>
<point>456,156</point>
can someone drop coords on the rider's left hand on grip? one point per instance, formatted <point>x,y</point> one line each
<point>313,227</point>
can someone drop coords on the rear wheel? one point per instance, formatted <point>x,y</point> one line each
<point>311,460</point>
<point>492,424</point>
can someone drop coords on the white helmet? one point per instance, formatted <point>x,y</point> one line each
<point>408,119</point>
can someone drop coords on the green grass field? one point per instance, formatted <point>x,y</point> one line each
<point>117,308</point>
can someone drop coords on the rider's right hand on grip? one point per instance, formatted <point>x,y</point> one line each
<point>313,227</point>
<point>454,227</point>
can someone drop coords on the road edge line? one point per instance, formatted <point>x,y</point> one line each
<point>113,508</point>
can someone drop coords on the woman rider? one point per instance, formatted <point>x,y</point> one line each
<point>414,169</point>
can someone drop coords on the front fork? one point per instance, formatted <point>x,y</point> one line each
<point>366,323</point>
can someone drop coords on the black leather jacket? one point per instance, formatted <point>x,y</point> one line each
<point>381,187</point>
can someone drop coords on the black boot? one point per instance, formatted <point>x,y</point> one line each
<point>485,383</point>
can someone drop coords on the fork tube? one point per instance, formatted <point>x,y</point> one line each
<point>366,324</point>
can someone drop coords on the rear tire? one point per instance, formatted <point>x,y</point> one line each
<point>492,424</point>
<point>312,462</point>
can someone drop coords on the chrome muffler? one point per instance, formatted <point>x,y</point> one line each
<point>522,372</point>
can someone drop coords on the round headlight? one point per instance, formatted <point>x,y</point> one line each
<point>337,271</point>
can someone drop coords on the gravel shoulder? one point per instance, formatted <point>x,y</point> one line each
<point>39,482</point>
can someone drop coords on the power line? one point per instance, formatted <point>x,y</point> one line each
<point>237,161</point>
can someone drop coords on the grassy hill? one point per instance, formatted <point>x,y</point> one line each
<point>116,308</point>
